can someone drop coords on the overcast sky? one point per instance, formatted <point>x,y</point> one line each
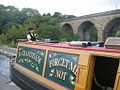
<point>69,7</point>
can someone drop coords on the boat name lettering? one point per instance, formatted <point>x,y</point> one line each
<point>29,62</point>
<point>65,63</point>
<point>60,74</point>
<point>31,54</point>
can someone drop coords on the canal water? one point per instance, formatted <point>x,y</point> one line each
<point>4,66</point>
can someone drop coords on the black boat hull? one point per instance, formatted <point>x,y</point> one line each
<point>24,82</point>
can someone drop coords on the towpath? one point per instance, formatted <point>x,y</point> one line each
<point>5,82</point>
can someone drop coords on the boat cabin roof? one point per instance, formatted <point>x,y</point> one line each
<point>67,45</point>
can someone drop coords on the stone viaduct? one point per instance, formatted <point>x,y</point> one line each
<point>106,24</point>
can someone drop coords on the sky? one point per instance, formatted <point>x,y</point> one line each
<point>66,7</point>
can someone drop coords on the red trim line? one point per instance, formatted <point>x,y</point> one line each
<point>71,53</point>
<point>66,45</point>
<point>31,48</point>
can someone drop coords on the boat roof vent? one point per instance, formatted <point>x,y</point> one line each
<point>86,43</point>
<point>80,43</point>
<point>112,43</point>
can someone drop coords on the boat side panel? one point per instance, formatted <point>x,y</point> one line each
<point>62,68</point>
<point>39,79</point>
<point>69,54</point>
<point>30,58</point>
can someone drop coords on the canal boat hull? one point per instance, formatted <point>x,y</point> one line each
<point>25,82</point>
<point>43,66</point>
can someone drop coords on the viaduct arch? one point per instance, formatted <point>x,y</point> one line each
<point>100,25</point>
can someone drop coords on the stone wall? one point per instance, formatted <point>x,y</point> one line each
<point>8,51</point>
<point>99,20</point>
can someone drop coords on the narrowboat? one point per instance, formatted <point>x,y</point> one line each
<point>67,66</point>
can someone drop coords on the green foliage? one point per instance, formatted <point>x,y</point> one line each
<point>66,35</point>
<point>15,32</point>
<point>3,39</point>
<point>14,24</point>
<point>117,34</point>
<point>49,29</point>
<point>93,34</point>
<point>57,15</point>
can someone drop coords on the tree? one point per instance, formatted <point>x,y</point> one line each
<point>49,32</point>
<point>29,12</point>
<point>3,17</point>
<point>14,24</point>
<point>57,15</point>
<point>48,14</point>
<point>93,33</point>
<point>16,32</point>
<point>14,15</point>
<point>66,35</point>
<point>117,34</point>
<point>3,39</point>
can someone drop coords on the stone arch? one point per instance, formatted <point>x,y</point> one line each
<point>67,32</point>
<point>87,31</point>
<point>67,27</point>
<point>111,28</point>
